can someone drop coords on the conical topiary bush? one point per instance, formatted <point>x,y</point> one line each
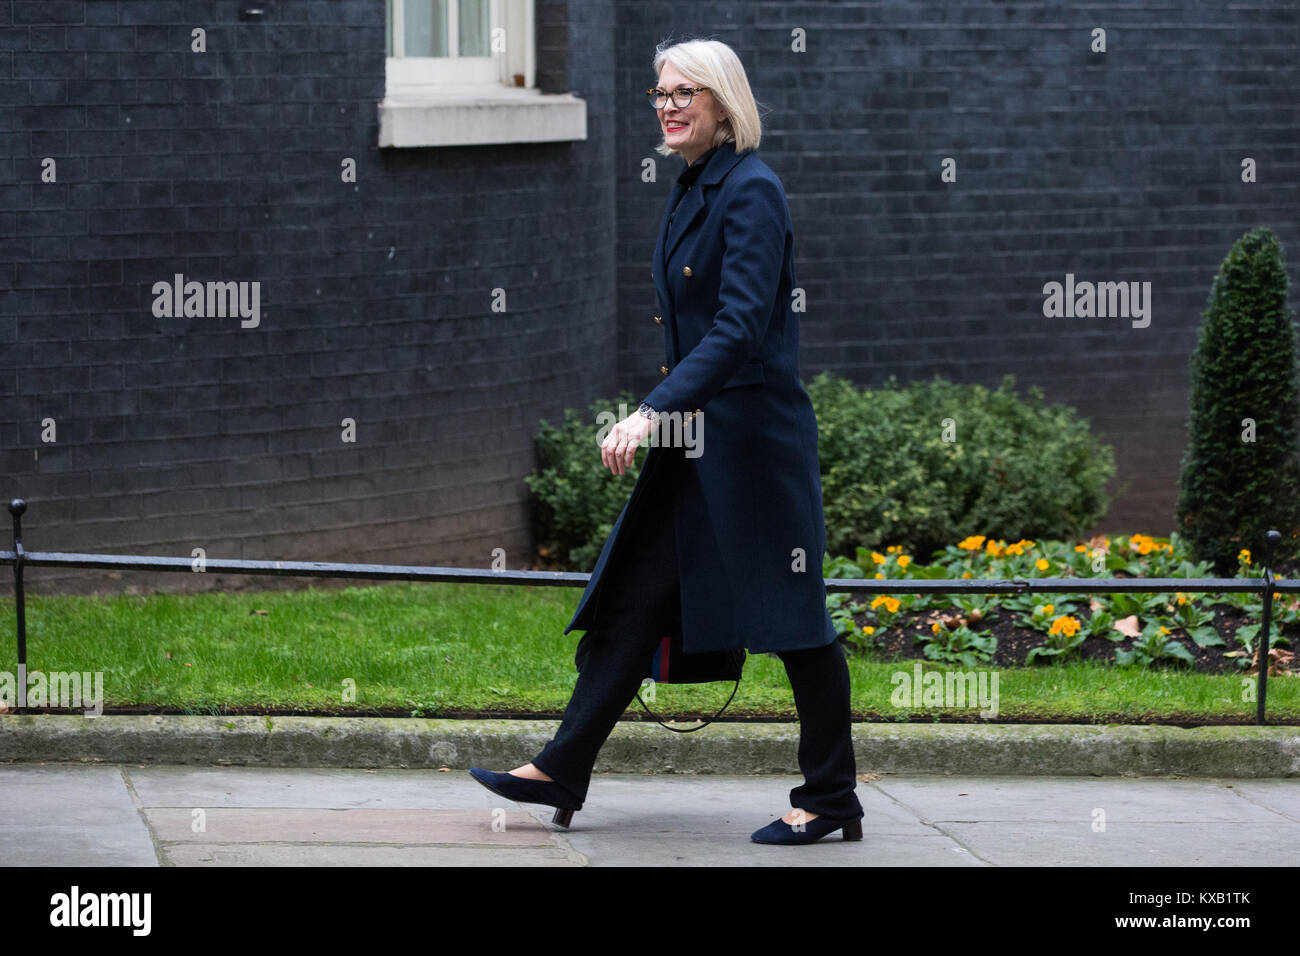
<point>1241,471</point>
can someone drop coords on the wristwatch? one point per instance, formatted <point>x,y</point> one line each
<point>649,413</point>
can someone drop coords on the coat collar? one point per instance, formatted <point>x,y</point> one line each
<point>690,207</point>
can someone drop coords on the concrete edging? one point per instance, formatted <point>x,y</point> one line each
<point>635,747</point>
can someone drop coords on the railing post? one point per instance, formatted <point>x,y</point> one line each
<point>16,508</point>
<point>1261,646</point>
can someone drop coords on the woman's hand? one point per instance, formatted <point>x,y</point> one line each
<point>620,445</point>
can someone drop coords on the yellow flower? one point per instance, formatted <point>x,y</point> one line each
<point>1041,564</point>
<point>868,629</point>
<point>1181,599</point>
<point>935,627</point>
<point>1244,553</point>
<point>965,574</point>
<point>879,575</point>
<point>1064,625</point>
<point>878,558</point>
<point>972,543</point>
<point>1048,608</point>
<point>904,560</point>
<point>1081,547</point>
<point>891,603</point>
<point>1143,543</point>
<point>891,548</point>
<point>1163,629</point>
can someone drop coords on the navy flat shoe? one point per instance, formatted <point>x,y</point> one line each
<point>780,832</point>
<point>523,790</point>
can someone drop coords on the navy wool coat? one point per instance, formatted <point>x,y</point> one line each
<point>747,512</point>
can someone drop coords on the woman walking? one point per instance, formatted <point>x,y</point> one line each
<point>724,540</point>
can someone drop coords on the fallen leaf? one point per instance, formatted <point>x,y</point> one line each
<point>1128,626</point>
<point>1279,662</point>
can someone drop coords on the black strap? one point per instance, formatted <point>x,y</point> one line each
<point>691,730</point>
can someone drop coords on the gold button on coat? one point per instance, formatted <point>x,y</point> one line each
<point>686,270</point>
<point>659,319</point>
<point>663,369</point>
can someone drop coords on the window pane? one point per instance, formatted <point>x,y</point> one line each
<point>425,28</point>
<point>473,27</point>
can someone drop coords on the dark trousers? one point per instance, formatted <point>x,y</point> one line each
<point>638,598</point>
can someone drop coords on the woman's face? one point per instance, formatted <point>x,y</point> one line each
<point>689,131</point>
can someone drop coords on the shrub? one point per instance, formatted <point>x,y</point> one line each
<point>1017,470</point>
<point>575,497</point>
<point>1239,473</point>
<point>1014,469</point>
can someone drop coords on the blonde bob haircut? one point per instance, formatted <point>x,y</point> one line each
<point>713,64</point>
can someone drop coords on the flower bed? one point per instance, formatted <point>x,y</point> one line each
<point>1204,632</point>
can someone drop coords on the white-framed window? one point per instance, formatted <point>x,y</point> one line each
<point>460,72</point>
<point>449,43</point>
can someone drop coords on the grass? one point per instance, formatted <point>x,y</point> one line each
<point>461,649</point>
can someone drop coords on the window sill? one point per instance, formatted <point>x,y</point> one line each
<point>465,116</point>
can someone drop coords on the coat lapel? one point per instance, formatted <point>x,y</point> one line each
<point>657,266</point>
<point>694,203</point>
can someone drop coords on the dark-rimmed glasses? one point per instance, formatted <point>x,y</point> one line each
<point>659,99</point>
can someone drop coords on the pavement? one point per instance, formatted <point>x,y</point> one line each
<point>219,791</point>
<point>133,815</point>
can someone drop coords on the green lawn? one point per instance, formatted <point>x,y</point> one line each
<point>432,649</point>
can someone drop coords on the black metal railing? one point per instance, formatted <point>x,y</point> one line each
<point>21,558</point>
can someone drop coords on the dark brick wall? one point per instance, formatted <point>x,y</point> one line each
<point>1122,166</point>
<point>174,433</point>
<point>182,433</point>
